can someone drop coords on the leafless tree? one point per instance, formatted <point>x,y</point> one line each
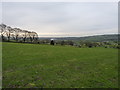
<point>24,35</point>
<point>2,30</point>
<point>9,31</point>
<point>17,34</point>
<point>34,36</point>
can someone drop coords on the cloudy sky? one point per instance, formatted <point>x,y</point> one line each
<point>62,18</point>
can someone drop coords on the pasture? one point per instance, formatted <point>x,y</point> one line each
<point>46,66</point>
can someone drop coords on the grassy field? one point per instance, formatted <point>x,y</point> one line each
<point>45,66</point>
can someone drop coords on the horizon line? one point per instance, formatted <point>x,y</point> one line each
<point>62,36</point>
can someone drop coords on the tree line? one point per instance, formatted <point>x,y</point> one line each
<point>82,43</point>
<point>8,33</point>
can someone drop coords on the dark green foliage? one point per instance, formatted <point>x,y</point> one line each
<point>62,43</point>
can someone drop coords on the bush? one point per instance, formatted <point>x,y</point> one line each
<point>118,47</point>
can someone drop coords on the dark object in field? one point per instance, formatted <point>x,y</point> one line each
<point>52,42</point>
<point>90,46</point>
<point>106,46</point>
<point>63,42</point>
<point>118,47</point>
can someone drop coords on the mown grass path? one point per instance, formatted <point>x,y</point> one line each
<point>33,65</point>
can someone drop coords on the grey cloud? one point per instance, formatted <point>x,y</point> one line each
<point>62,17</point>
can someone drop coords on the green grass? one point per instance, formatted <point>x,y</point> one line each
<point>46,66</point>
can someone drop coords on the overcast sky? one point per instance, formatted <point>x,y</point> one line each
<point>62,18</point>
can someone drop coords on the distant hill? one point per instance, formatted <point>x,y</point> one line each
<point>96,38</point>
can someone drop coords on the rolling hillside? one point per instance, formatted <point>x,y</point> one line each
<point>97,38</point>
<point>45,66</point>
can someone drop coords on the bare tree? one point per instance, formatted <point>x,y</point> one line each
<point>17,32</point>
<point>2,30</point>
<point>34,36</point>
<point>25,34</point>
<point>30,36</point>
<point>8,32</point>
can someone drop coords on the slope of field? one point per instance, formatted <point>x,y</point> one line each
<point>33,65</point>
<point>95,38</point>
